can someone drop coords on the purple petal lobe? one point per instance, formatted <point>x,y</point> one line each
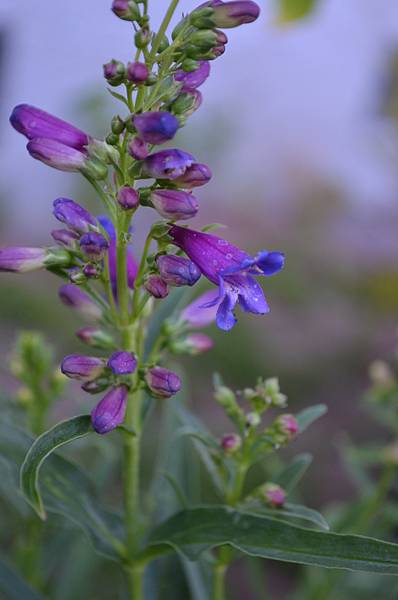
<point>122,363</point>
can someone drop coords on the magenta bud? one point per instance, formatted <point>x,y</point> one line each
<point>128,198</point>
<point>288,424</point>
<point>196,175</point>
<point>73,215</point>
<point>64,237</point>
<point>232,14</point>
<point>126,10</point>
<point>193,344</point>
<point>137,72</point>
<point>155,286</point>
<point>35,123</point>
<point>231,442</point>
<point>111,410</point>
<point>162,382</point>
<point>94,245</point>
<point>92,271</point>
<point>77,366</point>
<point>97,338</point>
<point>273,495</point>
<point>138,149</point>
<point>177,270</point>
<point>122,363</point>
<point>74,297</point>
<point>192,80</point>
<point>174,205</point>
<point>114,72</point>
<point>21,259</point>
<point>156,127</point>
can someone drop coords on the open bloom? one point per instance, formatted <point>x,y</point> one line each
<point>111,410</point>
<point>231,269</point>
<point>196,315</point>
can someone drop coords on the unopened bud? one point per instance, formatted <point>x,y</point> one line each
<point>117,125</point>
<point>273,495</point>
<point>114,72</point>
<point>231,443</point>
<point>96,338</point>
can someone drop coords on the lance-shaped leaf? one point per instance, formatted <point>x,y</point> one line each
<point>291,475</point>
<point>43,446</point>
<point>306,417</point>
<point>193,531</point>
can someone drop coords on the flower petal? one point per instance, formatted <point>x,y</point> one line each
<point>225,314</point>
<point>251,296</point>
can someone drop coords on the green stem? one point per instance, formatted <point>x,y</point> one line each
<point>162,30</point>
<point>121,266</point>
<point>219,571</point>
<point>140,275</point>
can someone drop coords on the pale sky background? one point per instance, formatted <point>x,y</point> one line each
<point>300,99</point>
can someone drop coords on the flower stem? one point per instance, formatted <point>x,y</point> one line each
<point>162,30</point>
<point>219,571</point>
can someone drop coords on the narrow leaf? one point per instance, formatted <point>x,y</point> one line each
<point>292,10</point>
<point>306,417</point>
<point>43,446</point>
<point>193,531</point>
<point>291,475</point>
<point>118,97</point>
<point>13,587</point>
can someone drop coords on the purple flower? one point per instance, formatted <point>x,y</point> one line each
<point>138,149</point>
<point>128,198</point>
<point>196,175</point>
<point>156,127</point>
<point>162,382</point>
<point>232,14</point>
<point>167,164</point>
<point>122,363</point>
<point>111,410</point>
<point>231,269</point>
<point>196,315</point>
<point>94,245</point>
<point>77,366</point>
<point>71,295</point>
<point>177,270</point>
<point>132,267</point>
<point>193,80</point>
<point>22,260</point>
<point>57,155</point>
<point>155,286</point>
<point>174,205</point>
<point>73,215</point>
<point>137,72</point>
<point>35,123</point>
<point>64,237</point>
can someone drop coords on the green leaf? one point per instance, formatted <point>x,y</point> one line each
<point>295,511</point>
<point>306,417</point>
<point>291,475</point>
<point>193,531</point>
<point>44,445</point>
<point>213,227</point>
<point>292,10</point>
<point>118,97</point>
<point>13,587</point>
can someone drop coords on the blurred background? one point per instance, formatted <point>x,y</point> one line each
<point>300,126</point>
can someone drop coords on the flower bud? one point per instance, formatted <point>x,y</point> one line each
<point>77,366</point>
<point>273,495</point>
<point>288,425</point>
<point>189,66</point>
<point>253,419</point>
<point>156,127</point>
<point>206,39</point>
<point>77,276</point>
<point>128,198</point>
<point>94,245</point>
<point>138,149</point>
<point>142,38</point>
<point>72,296</point>
<point>57,155</point>
<point>64,237</point>
<point>177,270</point>
<point>137,72</point>
<point>122,363</point>
<point>21,259</point>
<point>126,10</point>
<point>155,286</point>
<point>117,125</point>
<point>162,382</point>
<point>92,271</point>
<point>73,215</point>
<point>114,72</point>
<point>96,386</point>
<point>231,443</point>
<point>196,175</point>
<point>167,164</point>
<point>193,344</point>
<point>231,14</point>
<point>174,205</point>
<point>111,410</point>
<point>193,80</point>
<point>96,338</point>
<point>164,44</point>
